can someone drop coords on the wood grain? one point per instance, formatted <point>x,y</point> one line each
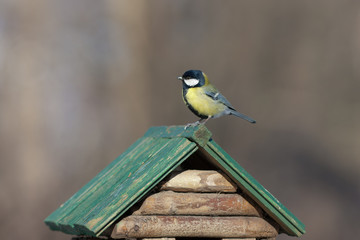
<point>193,226</point>
<point>199,181</point>
<point>120,185</point>
<point>172,203</point>
<point>158,238</point>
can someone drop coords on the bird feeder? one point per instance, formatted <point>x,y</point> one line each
<point>174,183</point>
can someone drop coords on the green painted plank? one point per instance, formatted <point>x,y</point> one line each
<point>199,134</point>
<point>114,189</point>
<point>70,215</point>
<point>158,168</point>
<point>115,176</point>
<point>54,219</point>
<point>125,177</point>
<point>190,149</point>
<point>264,198</point>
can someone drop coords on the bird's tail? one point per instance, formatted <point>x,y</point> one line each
<point>240,115</point>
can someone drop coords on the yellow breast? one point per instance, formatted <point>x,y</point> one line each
<point>202,103</point>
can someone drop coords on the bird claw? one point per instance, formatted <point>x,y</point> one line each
<point>194,124</point>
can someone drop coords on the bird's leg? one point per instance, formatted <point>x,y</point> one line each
<point>200,121</point>
<point>194,124</point>
<point>204,120</point>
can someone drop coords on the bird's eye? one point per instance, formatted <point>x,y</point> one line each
<point>191,82</point>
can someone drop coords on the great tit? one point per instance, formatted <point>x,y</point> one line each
<point>204,100</point>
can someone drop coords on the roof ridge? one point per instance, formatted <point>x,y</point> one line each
<point>198,134</point>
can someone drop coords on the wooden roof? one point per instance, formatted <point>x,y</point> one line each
<point>141,167</point>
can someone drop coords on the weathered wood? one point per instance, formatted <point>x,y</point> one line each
<point>245,238</point>
<point>86,238</point>
<point>158,238</point>
<point>172,203</point>
<point>239,238</point>
<point>193,226</point>
<point>120,185</point>
<point>199,181</point>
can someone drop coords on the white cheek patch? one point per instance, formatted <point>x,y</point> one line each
<point>191,82</point>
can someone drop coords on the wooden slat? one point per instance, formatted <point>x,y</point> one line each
<point>86,238</point>
<point>199,181</point>
<point>172,203</point>
<point>193,226</point>
<point>105,182</point>
<point>56,220</point>
<point>116,191</point>
<point>254,189</point>
<point>158,238</point>
<point>121,178</point>
<point>153,170</point>
<point>241,239</point>
<point>247,238</point>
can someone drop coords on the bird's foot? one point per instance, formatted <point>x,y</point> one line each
<point>197,123</point>
<point>194,124</point>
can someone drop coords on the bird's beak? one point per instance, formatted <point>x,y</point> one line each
<point>180,78</point>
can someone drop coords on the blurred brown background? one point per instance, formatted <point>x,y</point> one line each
<point>82,80</point>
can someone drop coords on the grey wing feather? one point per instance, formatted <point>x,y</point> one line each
<point>219,97</point>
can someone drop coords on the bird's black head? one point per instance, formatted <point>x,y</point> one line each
<point>193,78</point>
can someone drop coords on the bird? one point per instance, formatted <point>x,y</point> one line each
<point>204,100</point>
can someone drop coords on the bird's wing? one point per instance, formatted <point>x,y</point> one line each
<point>215,95</point>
